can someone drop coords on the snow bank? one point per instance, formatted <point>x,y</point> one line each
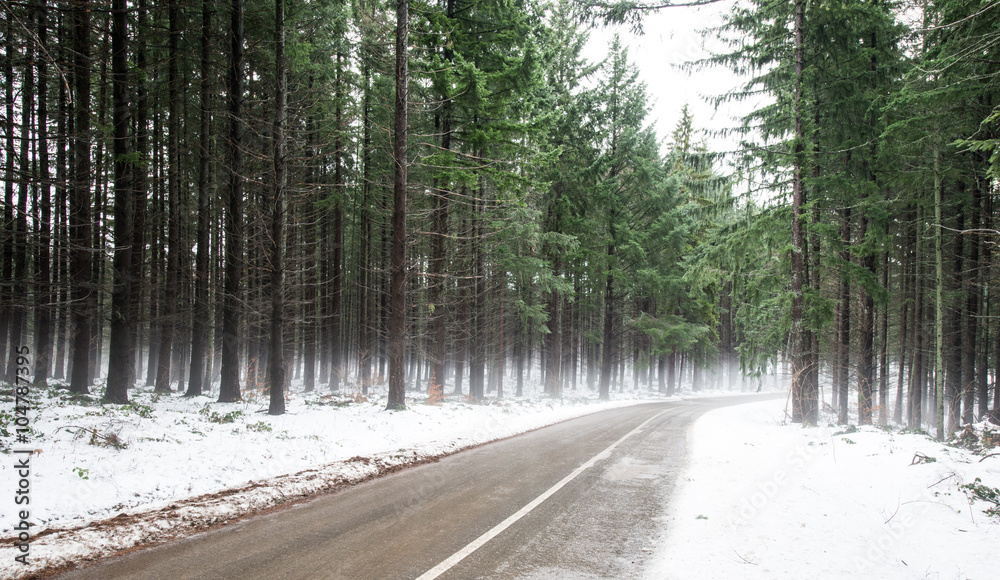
<point>765,500</point>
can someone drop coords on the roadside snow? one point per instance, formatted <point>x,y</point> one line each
<point>110,477</point>
<point>765,500</point>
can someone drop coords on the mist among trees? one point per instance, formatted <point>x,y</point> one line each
<point>449,198</point>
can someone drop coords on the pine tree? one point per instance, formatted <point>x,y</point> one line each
<point>398,277</point>
<point>121,357</point>
<point>229,389</point>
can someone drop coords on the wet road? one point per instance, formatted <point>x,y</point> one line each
<point>581,499</point>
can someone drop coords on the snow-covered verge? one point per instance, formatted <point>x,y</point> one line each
<point>111,477</point>
<point>765,500</point>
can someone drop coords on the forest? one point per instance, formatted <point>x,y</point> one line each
<point>448,197</point>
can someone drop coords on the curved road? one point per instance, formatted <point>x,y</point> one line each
<point>580,499</point>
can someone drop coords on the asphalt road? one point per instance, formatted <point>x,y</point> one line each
<point>581,499</point>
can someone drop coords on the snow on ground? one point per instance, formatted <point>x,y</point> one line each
<point>765,500</point>
<point>109,477</point>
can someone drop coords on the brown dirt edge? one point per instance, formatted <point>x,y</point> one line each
<point>197,527</point>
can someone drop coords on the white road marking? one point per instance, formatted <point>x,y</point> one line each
<point>474,545</point>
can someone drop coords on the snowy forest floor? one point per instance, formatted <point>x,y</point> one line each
<point>764,499</point>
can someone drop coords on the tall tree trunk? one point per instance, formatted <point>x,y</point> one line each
<point>954,312</point>
<point>200,320</point>
<point>229,389</point>
<point>157,254</point>
<point>441,193</point>
<point>170,283</point>
<point>43,271</point>
<point>907,288</point>
<point>519,357</point>
<point>18,322</point>
<point>121,358</point>
<point>914,401</point>
<point>982,370</point>
<point>386,282</point>
<point>608,350</point>
<point>397,284</point>
<point>100,221</point>
<point>843,334</point>
<point>60,258</point>
<point>970,326</point>
<point>996,357</point>
<point>815,284</point>
<point>84,299</point>
<point>313,310</point>
<point>804,400</point>
<point>477,343</point>
<point>883,372</point>
<point>365,322</point>
<point>140,187</point>
<point>8,239</point>
<point>553,340</point>
<point>462,318</point>
<point>939,292</point>
<point>866,359</point>
<point>337,351</point>
<point>276,290</point>
<point>661,370</point>
<point>501,336</point>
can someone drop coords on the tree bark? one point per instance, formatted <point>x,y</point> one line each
<point>844,323</point>
<point>608,349</point>
<point>954,313</point>
<point>229,390</point>
<point>43,271</point>
<point>60,247</point>
<point>883,372</point>
<point>8,239</point>
<point>804,400</point>
<point>970,321</point>
<point>336,294</point>
<point>906,287</point>
<point>140,187</point>
<point>84,299</point>
<point>170,282</point>
<point>121,358</point>
<point>939,293</point>
<point>553,340</point>
<point>18,322</point>
<point>200,320</point>
<point>477,343</point>
<point>914,401</point>
<point>866,358</point>
<point>365,322</point>
<point>397,283</point>
<point>276,290</point>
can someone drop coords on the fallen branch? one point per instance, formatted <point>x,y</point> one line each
<point>940,480</point>
<point>745,561</point>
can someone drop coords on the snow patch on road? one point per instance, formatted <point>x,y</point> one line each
<point>761,499</point>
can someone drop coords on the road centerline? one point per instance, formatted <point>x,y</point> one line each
<point>498,529</point>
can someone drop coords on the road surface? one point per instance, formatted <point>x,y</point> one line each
<point>581,499</point>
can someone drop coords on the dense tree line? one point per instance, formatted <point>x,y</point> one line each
<point>447,196</point>
<point>239,195</point>
<point>880,139</point>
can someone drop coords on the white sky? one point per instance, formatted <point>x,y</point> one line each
<point>671,38</point>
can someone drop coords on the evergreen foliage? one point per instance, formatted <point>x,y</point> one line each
<point>221,232</point>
